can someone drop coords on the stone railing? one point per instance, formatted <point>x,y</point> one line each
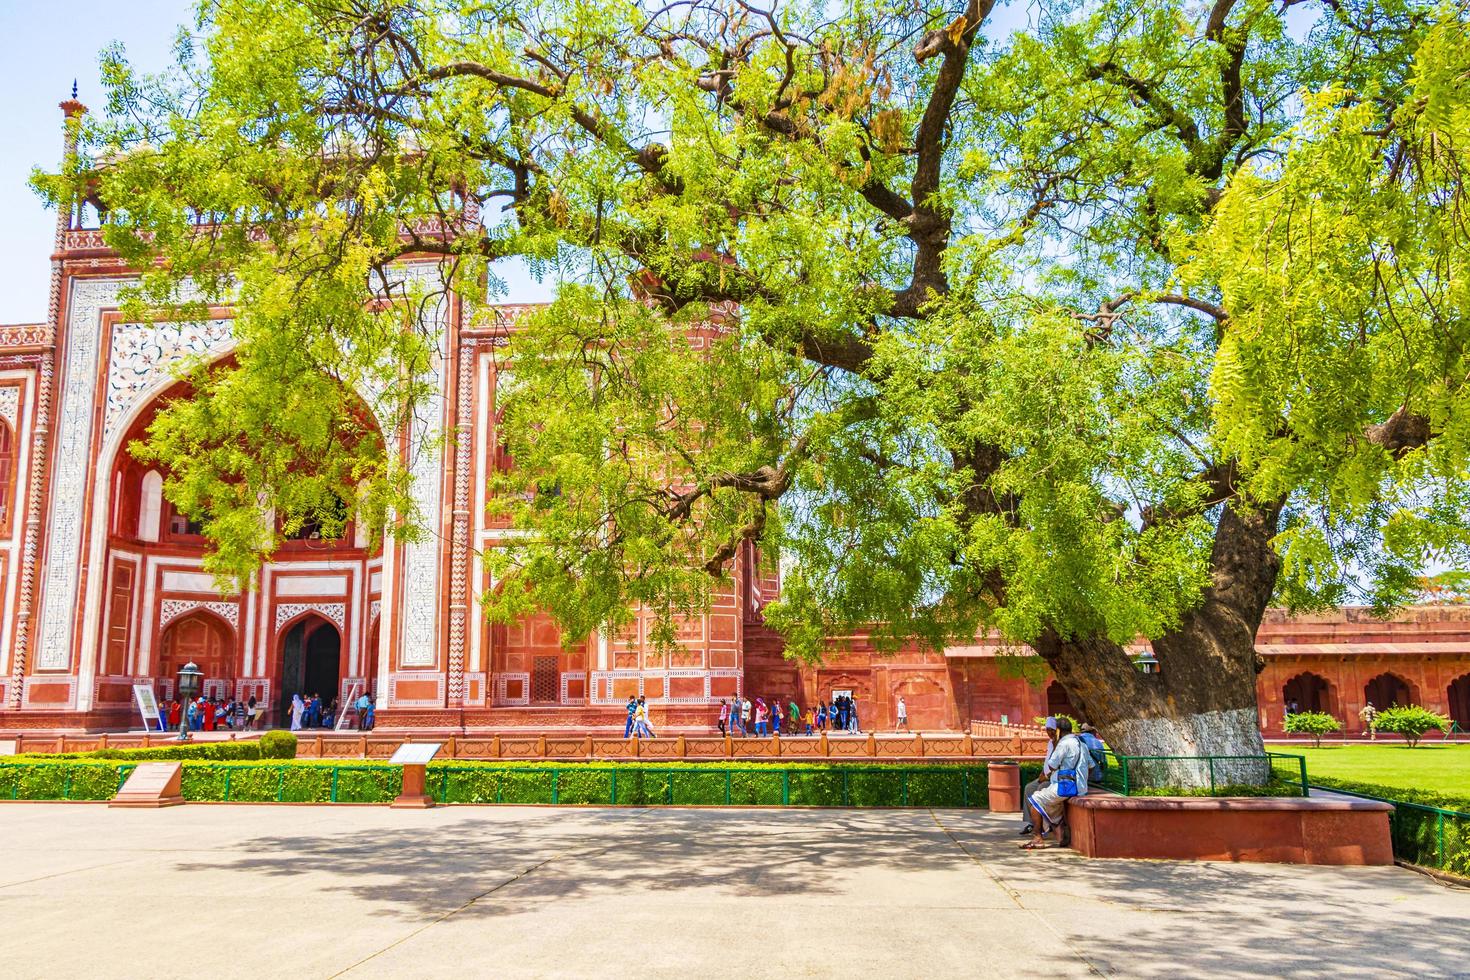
<point>349,745</point>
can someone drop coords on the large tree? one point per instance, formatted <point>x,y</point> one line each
<point>1120,324</point>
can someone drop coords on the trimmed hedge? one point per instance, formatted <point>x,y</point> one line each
<point>598,784</point>
<point>278,745</point>
<point>1423,837</point>
<point>1447,801</point>
<point>207,751</point>
<point>46,780</point>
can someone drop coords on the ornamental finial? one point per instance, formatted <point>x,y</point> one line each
<point>73,88</point>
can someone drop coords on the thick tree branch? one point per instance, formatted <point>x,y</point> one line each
<point>1401,433</point>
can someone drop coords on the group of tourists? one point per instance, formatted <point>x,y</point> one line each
<point>217,713</point>
<point>746,717</point>
<point>1073,762</point>
<point>310,713</point>
<point>637,725</point>
<point>209,713</point>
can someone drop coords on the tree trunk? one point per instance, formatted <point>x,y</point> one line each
<point>1203,700</point>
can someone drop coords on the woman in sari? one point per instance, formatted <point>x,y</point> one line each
<point>298,707</point>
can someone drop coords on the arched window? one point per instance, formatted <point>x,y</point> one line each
<point>150,506</point>
<point>7,473</point>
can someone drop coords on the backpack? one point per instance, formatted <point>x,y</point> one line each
<point>1099,755</point>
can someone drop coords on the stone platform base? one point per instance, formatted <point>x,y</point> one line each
<point>1270,829</point>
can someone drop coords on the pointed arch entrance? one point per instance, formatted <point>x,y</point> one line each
<point>311,663</point>
<point>205,640</point>
<point>1388,689</point>
<point>1311,692</point>
<point>1458,701</point>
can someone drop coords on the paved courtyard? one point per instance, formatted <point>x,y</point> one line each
<point>469,892</point>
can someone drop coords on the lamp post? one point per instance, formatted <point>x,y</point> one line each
<point>1147,663</point>
<point>189,681</point>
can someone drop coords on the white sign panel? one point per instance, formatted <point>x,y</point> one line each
<point>416,753</point>
<point>148,706</point>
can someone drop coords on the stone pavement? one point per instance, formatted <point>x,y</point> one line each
<point>300,892</point>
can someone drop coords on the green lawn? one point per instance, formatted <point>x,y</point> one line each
<point>1432,766</point>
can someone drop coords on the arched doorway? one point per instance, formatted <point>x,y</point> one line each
<point>1386,690</point>
<point>1459,701</point>
<point>207,641</point>
<point>1058,702</point>
<point>1310,692</point>
<point>311,663</point>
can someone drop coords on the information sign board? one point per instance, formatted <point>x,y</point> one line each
<point>148,707</point>
<point>416,753</point>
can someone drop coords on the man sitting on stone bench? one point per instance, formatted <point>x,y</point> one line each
<point>1042,780</point>
<point>1067,764</point>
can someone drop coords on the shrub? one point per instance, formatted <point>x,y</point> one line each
<point>1421,837</point>
<point>278,745</point>
<point>1446,801</point>
<point>1313,723</point>
<point>599,784</point>
<point>212,751</point>
<point>62,780</point>
<point>1411,722</point>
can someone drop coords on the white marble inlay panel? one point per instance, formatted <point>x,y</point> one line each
<point>309,586</point>
<point>188,582</point>
<point>69,474</point>
<point>335,611</point>
<point>10,404</point>
<point>145,354</point>
<point>420,603</point>
<point>172,609</point>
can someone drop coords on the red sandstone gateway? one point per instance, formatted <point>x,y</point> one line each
<point>101,582</point>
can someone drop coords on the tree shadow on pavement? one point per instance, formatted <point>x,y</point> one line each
<point>587,852</point>
<point>1219,919</point>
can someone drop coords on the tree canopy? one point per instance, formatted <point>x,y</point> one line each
<point>1115,322</point>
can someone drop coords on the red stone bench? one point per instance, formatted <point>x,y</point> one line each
<point>1283,830</point>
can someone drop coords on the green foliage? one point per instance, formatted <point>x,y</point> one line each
<point>1314,723</point>
<point>1039,333</point>
<point>1433,834</point>
<point>62,780</point>
<point>1410,721</point>
<point>278,745</point>
<point>1227,789</point>
<point>215,751</point>
<point>1425,797</point>
<point>597,784</point>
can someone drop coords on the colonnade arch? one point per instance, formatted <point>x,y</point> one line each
<point>1388,689</point>
<point>1310,692</point>
<point>311,662</point>
<point>204,639</point>
<point>1458,701</point>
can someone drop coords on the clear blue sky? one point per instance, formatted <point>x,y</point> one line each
<point>43,46</point>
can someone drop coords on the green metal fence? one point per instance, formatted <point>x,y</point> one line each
<point>938,785</point>
<point>1274,774</point>
<point>1429,836</point>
